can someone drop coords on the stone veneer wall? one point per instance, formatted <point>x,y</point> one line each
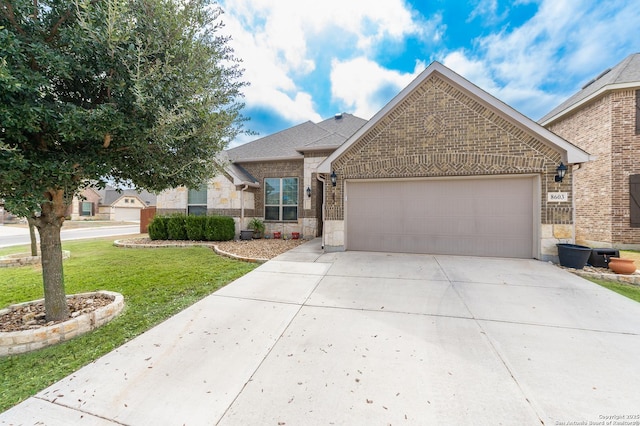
<point>606,129</point>
<point>439,130</point>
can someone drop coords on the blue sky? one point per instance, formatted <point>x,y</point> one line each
<point>308,59</point>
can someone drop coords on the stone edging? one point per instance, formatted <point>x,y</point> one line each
<point>626,279</point>
<point>124,243</point>
<point>16,342</point>
<point>21,259</point>
<point>236,257</point>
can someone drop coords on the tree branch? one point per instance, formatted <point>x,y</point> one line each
<point>7,11</point>
<point>56,26</point>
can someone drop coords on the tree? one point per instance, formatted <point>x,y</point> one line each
<point>141,92</point>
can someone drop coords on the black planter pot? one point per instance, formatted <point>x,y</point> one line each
<point>573,255</point>
<point>246,235</point>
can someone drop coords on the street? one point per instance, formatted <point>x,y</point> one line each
<point>14,236</point>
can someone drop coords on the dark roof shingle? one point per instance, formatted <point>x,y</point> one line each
<point>289,143</point>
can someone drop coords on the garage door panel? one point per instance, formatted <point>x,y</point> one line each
<point>485,217</point>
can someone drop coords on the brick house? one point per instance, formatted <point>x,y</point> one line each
<point>443,168</point>
<point>603,118</point>
<point>272,178</point>
<point>446,168</point>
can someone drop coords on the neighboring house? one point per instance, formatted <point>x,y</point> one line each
<point>444,168</point>
<point>272,178</point>
<point>604,119</point>
<point>111,204</point>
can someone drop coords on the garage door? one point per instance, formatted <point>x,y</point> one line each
<point>127,214</point>
<point>478,217</point>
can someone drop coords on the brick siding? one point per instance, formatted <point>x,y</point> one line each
<point>439,130</point>
<point>605,128</point>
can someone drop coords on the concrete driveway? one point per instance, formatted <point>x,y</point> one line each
<point>371,339</point>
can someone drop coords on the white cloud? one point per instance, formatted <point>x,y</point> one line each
<point>530,67</point>
<point>274,37</point>
<point>364,87</point>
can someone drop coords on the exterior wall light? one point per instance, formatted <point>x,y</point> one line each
<point>309,191</point>
<point>561,171</point>
<point>334,178</point>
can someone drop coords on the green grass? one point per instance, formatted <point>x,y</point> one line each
<point>156,284</point>
<point>627,290</point>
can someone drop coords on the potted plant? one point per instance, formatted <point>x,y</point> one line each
<point>257,226</point>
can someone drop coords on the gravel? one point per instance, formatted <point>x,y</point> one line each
<point>262,248</point>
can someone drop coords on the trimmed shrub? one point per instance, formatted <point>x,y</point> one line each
<point>176,227</point>
<point>158,228</point>
<point>196,227</point>
<point>220,228</point>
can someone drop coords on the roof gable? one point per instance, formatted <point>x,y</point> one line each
<point>624,75</point>
<point>570,153</point>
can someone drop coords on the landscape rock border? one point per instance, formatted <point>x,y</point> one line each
<point>22,259</point>
<point>17,342</point>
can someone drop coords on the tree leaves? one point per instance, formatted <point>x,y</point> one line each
<point>153,75</point>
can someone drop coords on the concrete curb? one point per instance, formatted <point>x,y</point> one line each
<point>17,342</point>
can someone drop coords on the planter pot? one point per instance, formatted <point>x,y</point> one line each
<point>573,255</point>
<point>246,235</point>
<point>295,235</point>
<point>276,235</point>
<point>622,266</point>
<point>257,235</point>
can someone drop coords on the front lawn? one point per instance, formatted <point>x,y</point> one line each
<point>629,290</point>
<point>156,284</point>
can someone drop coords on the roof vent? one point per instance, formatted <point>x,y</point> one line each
<point>603,73</point>
<point>338,116</point>
<point>588,84</point>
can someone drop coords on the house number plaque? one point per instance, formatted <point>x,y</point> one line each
<point>557,196</point>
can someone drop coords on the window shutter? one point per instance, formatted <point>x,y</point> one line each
<point>634,200</point>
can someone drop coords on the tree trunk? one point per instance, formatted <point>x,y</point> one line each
<point>49,223</point>
<point>32,236</point>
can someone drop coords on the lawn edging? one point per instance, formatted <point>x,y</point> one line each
<point>17,342</point>
<point>633,279</point>
<point>21,259</point>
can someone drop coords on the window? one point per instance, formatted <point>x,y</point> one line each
<point>634,200</point>
<point>87,209</point>
<point>281,199</point>
<point>197,201</point>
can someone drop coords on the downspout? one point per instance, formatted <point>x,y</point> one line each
<point>324,198</point>
<point>242,206</point>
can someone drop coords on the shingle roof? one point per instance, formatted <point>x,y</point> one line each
<point>110,195</point>
<point>626,73</point>
<point>289,143</point>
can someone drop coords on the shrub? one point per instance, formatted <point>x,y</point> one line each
<point>158,228</point>
<point>258,227</point>
<point>176,227</point>
<point>196,227</point>
<point>220,228</point>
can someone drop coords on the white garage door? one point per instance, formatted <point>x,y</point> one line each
<point>478,217</point>
<point>127,214</point>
